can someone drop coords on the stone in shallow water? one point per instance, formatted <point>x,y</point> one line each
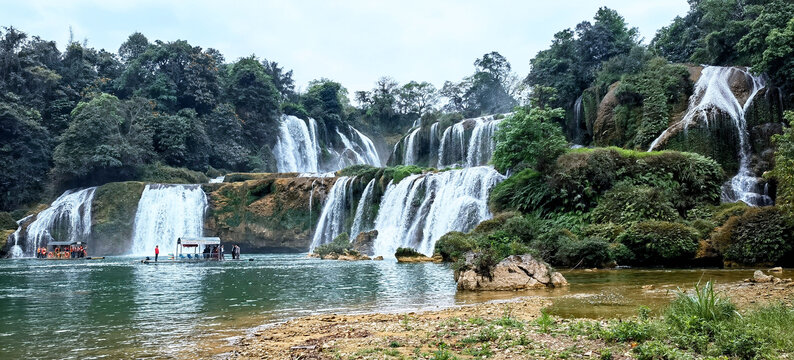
<point>516,272</point>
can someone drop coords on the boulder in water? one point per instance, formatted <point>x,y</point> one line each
<point>364,240</point>
<point>760,277</point>
<point>516,272</point>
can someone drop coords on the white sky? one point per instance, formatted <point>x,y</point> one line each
<point>353,42</point>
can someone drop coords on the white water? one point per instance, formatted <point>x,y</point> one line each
<point>711,98</point>
<point>456,149</point>
<point>409,156</point>
<point>362,210</point>
<point>16,249</point>
<point>67,219</point>
<point>576,135</point>
<point>332,218</point>
<point>297,148</point>
<point>418,210</point>
<point>165,213</point>
<point>217,180</point>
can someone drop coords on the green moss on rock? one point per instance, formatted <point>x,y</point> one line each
<point>113,216</point>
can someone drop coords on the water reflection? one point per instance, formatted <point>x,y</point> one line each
<point>117,308</point>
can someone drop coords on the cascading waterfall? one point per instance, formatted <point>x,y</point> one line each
<point>67,219</point>
<point>217,180</point>
<point>165,213</point>
<point>335,210</point>
<point>419,209</point>
<point>296,149</point>
<point>712,97</point>
<point>456,149</point>
<point>16,249</point>
<point>575,130</point>
<point>363,210</point>
<point>409,156</point>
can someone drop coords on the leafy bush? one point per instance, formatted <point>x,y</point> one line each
<point>760,235</point>
<point>407,252</point>
<point>608,231</point>
<point>784,164</point>
<point>524,191</point>
<point>627,203</point>
<point>529,138</point>
<point>294,109</point>
<point>6,221</point>
<point>340,245</point>
<point>160,173</point>
<point>453,245</point>
<point>589,252</point>
<point>660,242</point>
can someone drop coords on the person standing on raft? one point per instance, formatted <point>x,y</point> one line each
<point>156,252</point>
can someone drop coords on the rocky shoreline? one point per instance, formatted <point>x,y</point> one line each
<point>517,328</point>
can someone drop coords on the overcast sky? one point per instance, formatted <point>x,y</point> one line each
<point>353,42</point>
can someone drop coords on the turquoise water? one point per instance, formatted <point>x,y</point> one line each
<point>119,308</point>
<point>116,308</point>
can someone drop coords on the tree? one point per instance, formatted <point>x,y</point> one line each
<point>783,172</point>
<point>180,139</point>
<point>281,80</point>
<point>778,57</point>
<point>255,99</point>
<point>417,98</point>
<point>25,150</point>
<point>494,64</point>
<point>529,138</point>
<point>225,132</point>
<point>103,143</point>
<point>135,46</point>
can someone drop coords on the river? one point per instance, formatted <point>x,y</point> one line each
<point>119,308</point>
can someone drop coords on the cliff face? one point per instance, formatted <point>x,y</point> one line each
<point>113,217</point>
<point>268,214</point>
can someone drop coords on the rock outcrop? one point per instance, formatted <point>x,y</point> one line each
<point>516,272</point>
<point>266,214</point>
<point>364,241</point>
<point>420,259</point>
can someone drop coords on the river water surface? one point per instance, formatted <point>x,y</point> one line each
<point>119,308</point>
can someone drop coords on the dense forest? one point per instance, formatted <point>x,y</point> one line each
<point>153,109</point>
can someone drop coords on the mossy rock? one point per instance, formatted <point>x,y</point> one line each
<point>113,217</point>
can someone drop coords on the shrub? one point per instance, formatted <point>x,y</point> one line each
<point>340,245</point>
<point>661,241</point>
<point>407,252</point>
<point>524,191</point>
<point>608,231</point>
<point>627,203</point>
<point>760,235</point>
<point>453,245</point>
<point>6,221</point>
<point>589,252</point>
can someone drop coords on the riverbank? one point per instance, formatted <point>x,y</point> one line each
<point>517,328</point>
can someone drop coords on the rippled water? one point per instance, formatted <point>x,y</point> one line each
<point>117,308</point>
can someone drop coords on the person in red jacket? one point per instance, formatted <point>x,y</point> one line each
<point>156,252</point>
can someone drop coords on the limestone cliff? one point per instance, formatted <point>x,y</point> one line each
<point>270,213</point>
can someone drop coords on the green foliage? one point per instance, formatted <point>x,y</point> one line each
<point>626,204</point>
<point>783,172</point>
<point>407,252</point>
<point>580,177</point>
<point>159,173</point>
<point>529,139</point>
<point>587,252</point>
<point>661,242</point>
<point>25,148</point>
<point>761,235</point>
<point>255,98</point>
<point>453,245</point>
<point>703,304</point>
<point>105,141</point>
<point>113,215</point>
<point>571,62</point>
<point>524,191</point>
<point>340,245</point>
<point>7,222</point>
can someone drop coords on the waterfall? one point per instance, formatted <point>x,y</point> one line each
<point>434,138</point>
<point>13,240</point>
<point>456,149</point>
<point>165,213</point>
<point>369,149</point>
<point>67,219</point>
<point>575,130</point>
<point>409,155</point>
<point>713,96</point>
<point>363,210</point>
<point>418,210</point>
<point>332,219</point>
<point>296,149</point>
<point>217,180</point>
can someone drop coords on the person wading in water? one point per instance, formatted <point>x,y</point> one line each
<point>156,252</point>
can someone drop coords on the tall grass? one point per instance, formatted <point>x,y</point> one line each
<point>703,304</point>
